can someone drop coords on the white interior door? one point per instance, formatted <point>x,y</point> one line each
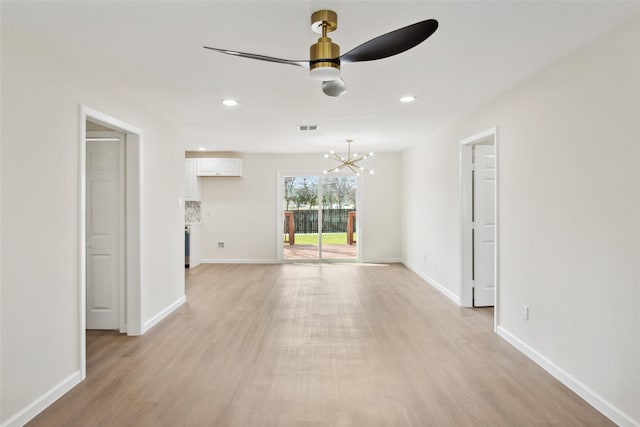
<point>105,231</point>
<point>484,219</point>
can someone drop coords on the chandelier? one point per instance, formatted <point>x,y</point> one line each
<point>349,162</point>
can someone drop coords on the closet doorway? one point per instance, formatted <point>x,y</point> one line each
<point>479,221</point>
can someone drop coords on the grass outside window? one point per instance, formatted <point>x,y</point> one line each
<point>327,238</point>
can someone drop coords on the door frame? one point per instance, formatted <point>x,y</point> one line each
<point>133,224</point>
<point>280,175</point>
<point>466,206</point>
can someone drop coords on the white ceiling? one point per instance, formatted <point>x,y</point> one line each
<point>154,51</point>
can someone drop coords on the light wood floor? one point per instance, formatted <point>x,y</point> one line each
<point>314,345</point>
<point>341,252</point>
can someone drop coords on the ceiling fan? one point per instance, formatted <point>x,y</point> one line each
<point>325,58</point>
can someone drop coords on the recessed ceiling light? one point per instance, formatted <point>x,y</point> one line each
<point>201,149</point>
<point>408,98</point>
<point>229,102</point>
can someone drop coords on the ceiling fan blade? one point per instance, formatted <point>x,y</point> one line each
<point>335,87</point>
<point>392,43</point>
<point>260,57</point>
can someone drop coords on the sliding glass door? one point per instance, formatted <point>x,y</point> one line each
<point>338,236</point>
<point>319,217</point>
<point>301,213</point>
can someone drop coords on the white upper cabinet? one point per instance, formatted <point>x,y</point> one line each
<point>208,167</point>
<point>191,184</point>
<point>219,167</point>
<point>230,167</point>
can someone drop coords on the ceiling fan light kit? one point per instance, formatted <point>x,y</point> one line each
<point>324,55</point>
<point>335,87</point>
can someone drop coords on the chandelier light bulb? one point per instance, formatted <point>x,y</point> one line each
<point>371,154</point>
<point>326,156</point>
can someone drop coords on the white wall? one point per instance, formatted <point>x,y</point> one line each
<point>241,212</point>
<point>569,242</point>
<point>430,205</point>
<point>41,96</point>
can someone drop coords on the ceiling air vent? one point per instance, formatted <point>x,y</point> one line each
<point>308,127</point>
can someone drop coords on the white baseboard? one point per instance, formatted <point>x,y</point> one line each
<point>40,404</point>
<point>277,261</point>
<point>593,398</point>
<point>239,261</point>
<point>446,292</point>
<point>164,313</point>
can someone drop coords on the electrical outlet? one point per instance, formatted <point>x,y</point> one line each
<point>525,312</point>
<point>220,245</point>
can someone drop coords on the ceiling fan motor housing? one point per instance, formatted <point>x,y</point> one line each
<point>324,55</point>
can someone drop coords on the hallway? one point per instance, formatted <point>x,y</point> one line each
<point>314,345</point>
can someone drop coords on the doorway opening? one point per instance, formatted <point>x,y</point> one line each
<point>105,231</point>
<point>109,240</point>
<point>318,217</point>
<point>479,243</point>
